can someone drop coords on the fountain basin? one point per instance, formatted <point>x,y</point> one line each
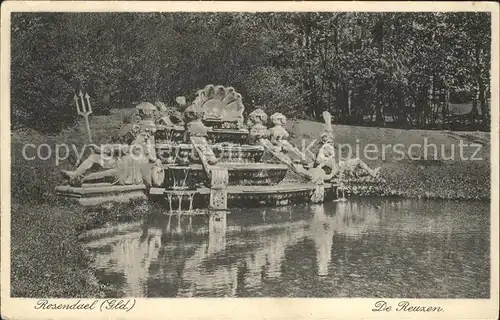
<point>242,196</point>
<point>233,136</point>
<point>241,174</point>
<point>238,154</point>
<point>98,193</point>
<point>176,134</point>
<point>223,152</point>
<point>165,134</point>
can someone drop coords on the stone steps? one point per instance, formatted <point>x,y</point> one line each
<point>90,194</point>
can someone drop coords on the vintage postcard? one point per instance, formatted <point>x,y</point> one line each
<point>259,160</point>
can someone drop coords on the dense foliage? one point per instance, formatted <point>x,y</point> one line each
<point>360,66</point>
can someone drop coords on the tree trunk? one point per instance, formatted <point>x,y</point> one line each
<point>474,112</point>
<point>430,101</point>
<point>335,83</point>
<point>330,93</point>
<point>446,106</point>
<point>422,112</point>
<point>425,107</point>
<point>416,106</point>
<point>340,102</point>
<point>379,38</point>
<point>349,100</point>
<point>379,107</point>
<point>324,74</point>
<point>402,119</point>
<point>485,112</point>
<point>308,78</point>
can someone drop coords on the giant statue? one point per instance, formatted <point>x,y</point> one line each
<point>125,164</point>
<point>197,133</point>
<point>326,156</point>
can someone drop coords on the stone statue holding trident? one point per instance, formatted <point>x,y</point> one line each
<point>125,164</point>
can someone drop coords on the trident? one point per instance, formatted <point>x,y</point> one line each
<point>83,111</point>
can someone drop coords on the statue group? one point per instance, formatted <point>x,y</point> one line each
<point>213,108</point>
<point>324,166</point>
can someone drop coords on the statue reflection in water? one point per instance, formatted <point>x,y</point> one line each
<point>129,256</point>
<point>195,277</point>
<point>354,219</point>
<point>322,234</point>
<point>348,219</point>
<point>217,223</point>
<point>193,256</point>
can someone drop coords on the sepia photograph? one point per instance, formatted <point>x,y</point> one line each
<point>333,154</point>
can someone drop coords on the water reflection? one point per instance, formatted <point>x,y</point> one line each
<point>216,232</point>
<point>129,255</point>
<point>354,248</point>
<point>322,231</point>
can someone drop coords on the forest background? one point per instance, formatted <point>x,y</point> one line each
<point>402,70</point>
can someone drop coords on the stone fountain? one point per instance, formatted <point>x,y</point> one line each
<point>207,157</point>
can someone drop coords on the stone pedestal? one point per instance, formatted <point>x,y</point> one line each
<point>218,199</point>
<point>218,188</point>
<point>98,193</point>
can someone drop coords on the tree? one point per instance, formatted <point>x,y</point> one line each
<point>357,65</point>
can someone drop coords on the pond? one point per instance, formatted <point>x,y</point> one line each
<point>373,247</point>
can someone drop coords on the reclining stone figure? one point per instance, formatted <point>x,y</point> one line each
<point>123,163</point>
<point>326,156</point>
<point>326,165</point>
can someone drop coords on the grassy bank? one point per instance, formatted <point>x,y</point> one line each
<point>49,261</point>
<point>47,258</point>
